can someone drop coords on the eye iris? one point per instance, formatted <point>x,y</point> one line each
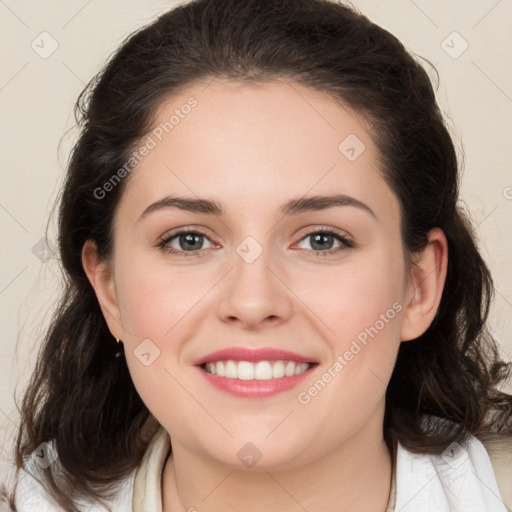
<point>190,238</point>
<point>318,237</point>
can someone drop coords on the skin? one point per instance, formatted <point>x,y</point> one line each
<point>251,148</point>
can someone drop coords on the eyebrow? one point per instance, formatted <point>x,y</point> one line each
<point>291,207</point>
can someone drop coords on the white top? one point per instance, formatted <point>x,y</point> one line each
<point>459,480</point>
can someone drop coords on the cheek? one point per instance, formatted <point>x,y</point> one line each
<point>363,312</point>
<point>160,305</point>
<point>358,308</point>
<point>359,299</point>
<point>156,303</point>
<point>154,296</point>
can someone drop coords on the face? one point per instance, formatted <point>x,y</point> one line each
<point>324,281</point>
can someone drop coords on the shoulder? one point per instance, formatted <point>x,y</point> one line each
<point>460,478</point>
<point>142,483</point>
<point>30,495</point>
<point>500,454</point>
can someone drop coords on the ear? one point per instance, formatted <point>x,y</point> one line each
<point>425,286</point>
<point>101,276</point>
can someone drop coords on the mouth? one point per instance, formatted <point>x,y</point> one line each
<point>255,380</point>
<point>255,373</point>
<point>261,370</point>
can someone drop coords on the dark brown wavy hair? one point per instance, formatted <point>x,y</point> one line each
<point>81,395</point>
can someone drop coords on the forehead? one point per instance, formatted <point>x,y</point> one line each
<point>259,144</point>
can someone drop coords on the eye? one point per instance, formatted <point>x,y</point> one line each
<point>186,242</point>
<point>321,241</point>
<point>189,242</point>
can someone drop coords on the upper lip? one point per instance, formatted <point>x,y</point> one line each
<point>251,354</point>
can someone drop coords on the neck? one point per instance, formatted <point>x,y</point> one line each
<point>354,476</point>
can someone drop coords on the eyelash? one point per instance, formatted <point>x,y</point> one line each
<point>346,244</point>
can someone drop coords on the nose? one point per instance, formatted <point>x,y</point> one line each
<point>255,292</point>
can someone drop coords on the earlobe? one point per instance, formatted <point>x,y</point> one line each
<point>425,288</point>
<point>100,275</point>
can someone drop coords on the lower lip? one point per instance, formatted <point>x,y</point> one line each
<point>255,388</point>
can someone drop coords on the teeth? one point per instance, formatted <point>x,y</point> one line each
<point>262,370</point>
<point>278,369</point>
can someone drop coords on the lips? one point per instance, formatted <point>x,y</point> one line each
<point>252,355</point>
<point>242,383</point>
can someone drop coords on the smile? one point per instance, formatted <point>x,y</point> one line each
<point>259,379</point>
<point>261,370</point>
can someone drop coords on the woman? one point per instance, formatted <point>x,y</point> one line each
<point>274,301</point>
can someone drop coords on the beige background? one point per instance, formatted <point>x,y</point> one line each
<point>37,96</point>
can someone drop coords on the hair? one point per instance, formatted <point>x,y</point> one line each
<point>81,396</point>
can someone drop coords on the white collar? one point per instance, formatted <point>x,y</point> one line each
<point>459,480</point>
<point>147,487</point>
